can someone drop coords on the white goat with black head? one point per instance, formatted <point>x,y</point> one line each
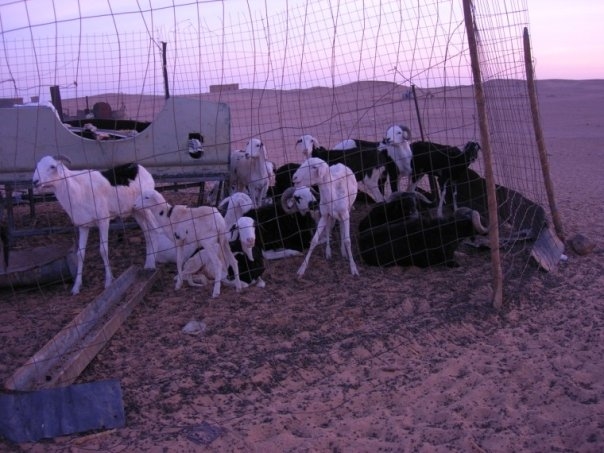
<point>251,171</point>
<point>337,189</point>
<point>92,198</point>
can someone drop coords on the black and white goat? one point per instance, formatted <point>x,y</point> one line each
<point>283,229</point>
<point>247,251</point>
<point>396,146</point>
<point>447,163</point>
<point>367,164</point>
<point>338,190</point>
<point>423,241</point>
<point>92,198</point>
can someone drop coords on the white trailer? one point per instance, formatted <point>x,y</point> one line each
<point>29,132</point>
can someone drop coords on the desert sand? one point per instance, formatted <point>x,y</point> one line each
<point>398,359</point>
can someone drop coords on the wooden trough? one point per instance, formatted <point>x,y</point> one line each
<point>67,354</point>
<point>40,400</point>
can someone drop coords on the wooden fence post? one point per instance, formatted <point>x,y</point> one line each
<point>549,187</point>
<point>488,160</point>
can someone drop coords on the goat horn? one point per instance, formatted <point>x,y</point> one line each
<point>480,228</point>
<point>421,197</point>
<point>408,131</point>
<point>63,158</point>
<point>287,200</point>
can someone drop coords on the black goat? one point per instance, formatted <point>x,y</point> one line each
<point>283,180</point>
<point>447,163</point>
<point>421,242</point>
<point>399,206</point>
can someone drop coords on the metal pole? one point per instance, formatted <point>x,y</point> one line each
<point>433,187</point>
<point>164,62</point>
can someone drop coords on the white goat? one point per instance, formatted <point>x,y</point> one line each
<point>251,170</point>
<point>337,189</point>
<point>242,239</point>
<point>92,198</point>
<point>396,145</point>
<point>366,161</point>
<point>234,206</point>
<point>202,225</point>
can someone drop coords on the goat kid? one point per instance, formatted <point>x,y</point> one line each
<point>242,240</point>
<point>203,226</point>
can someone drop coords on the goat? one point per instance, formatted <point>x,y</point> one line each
<point>242,240</point>
<point>396,146</point>
<point>353,143</point>
<point>367,164</point>
<point>93,198</point>
<point>283,180</point>
<point>247,251</point>
<point>338,190</point>
<point>421,241</point>
<point>398,207</point>
<point>447,163</point>
<point>283,229</point>
<point>202,225</point>
<point>250,170</point>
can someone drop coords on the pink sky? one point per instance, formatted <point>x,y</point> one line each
<point>567,38</point>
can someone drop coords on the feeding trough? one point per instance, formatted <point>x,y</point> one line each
<point>43,265</point>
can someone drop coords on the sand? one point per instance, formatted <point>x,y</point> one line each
<point>394,360</point>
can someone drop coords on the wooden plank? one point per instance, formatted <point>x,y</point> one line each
<point>547,249</point>
<point>78,342</point>
<point>31,416</point>
<point>97,338</point>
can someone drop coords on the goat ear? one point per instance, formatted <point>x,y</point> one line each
<point>322,170</point>
<point>406,132</point>
<point>238,209</point>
